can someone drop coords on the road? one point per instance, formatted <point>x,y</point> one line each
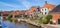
<point>50,26</point>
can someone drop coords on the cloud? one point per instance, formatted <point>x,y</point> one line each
<point>29,3</point>
<point>25,3</point>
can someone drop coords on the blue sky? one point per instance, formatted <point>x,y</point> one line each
<point>7,5</point>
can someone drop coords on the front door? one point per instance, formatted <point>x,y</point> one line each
<point>58,21</point>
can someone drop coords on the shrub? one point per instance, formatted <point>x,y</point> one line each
<point>47,19</point>
<point>44,21</point>
<point>9,17</point>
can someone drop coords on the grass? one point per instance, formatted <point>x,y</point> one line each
<point>38,21</point>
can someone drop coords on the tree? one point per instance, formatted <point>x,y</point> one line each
<point>44,21</point>
<point>9,17</point>
<point>47,19</point>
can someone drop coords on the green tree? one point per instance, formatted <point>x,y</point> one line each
<point>44,21</point>
<point>9,17</point>
<point>47,19</point>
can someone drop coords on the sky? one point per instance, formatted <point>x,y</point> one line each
<point>8,5</point>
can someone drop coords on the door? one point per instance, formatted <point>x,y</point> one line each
<point>58,21</point>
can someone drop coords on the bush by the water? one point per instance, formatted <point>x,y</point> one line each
<point>9,17</point>
<point>47,19</point>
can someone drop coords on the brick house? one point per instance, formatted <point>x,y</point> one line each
<point>56,14</point>
<point>32,11</point>
<point>5,13</point>
<point>17,14</point>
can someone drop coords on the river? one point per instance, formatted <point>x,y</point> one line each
<point>8,24</point>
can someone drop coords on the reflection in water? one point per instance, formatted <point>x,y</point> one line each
<point>8,24</point>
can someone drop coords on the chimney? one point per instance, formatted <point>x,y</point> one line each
<point>45,2</point>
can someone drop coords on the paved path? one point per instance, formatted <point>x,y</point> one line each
<point>59,26</point>
<point>51,26</point>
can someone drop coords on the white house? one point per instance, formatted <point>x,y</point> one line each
<point>44,11</point>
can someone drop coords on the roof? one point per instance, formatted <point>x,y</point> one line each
<point>56,9</point>
<point>17,12</point>
<point>5,12</point>
<point>50,6</point>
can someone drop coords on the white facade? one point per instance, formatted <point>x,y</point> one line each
<point>44,11</point>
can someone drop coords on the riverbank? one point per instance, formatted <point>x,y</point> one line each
<point>26,21</point>
<point>8,24</point>
<point>31,22</point>
<point>37,24</point>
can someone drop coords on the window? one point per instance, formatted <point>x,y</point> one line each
<point>45,9</point>
<point>45,12</point>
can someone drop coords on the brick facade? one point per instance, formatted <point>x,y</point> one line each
<point>55,16</point>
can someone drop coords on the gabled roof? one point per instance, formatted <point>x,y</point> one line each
<point>49,6</point>
<point>56,9</point>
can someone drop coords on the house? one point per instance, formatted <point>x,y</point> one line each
<point>49,6</point>
<point>44,11</point>
<point>56,15</point>
<point>5,13</point>
<point>46,8</point>
<point>17,14</point>
<point>34,11</point>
